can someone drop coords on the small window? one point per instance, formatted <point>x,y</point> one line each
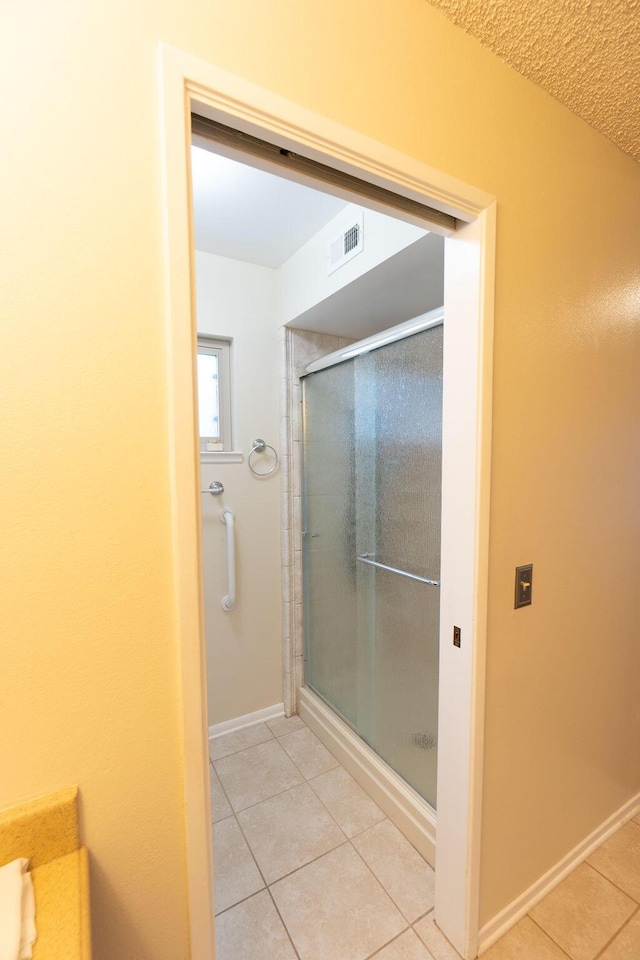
<point>214,395</point>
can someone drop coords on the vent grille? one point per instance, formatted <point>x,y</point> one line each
<point>346,245</point>
<point>351,238</point>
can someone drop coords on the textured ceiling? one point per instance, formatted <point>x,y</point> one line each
<point>586,53</point>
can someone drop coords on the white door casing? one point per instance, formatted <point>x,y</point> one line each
<point>187,83</point>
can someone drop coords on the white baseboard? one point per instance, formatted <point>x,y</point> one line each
<point>248,720</point>
<point>516,910</point>
<point>404,807</point>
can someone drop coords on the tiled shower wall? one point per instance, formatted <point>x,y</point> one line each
<point>298,349</point>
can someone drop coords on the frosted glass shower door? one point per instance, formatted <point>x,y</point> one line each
<point>398,496</point>
<point>371,547</point>
<point>328,539</point>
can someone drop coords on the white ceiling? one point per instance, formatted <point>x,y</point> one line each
<point>245,214</point>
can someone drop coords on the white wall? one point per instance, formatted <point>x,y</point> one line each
<point>244,648</point>
<point>303,279</point>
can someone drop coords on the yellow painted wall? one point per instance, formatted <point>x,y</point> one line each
<point>89,690</point>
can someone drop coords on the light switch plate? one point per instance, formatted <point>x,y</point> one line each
<point>524,585</point>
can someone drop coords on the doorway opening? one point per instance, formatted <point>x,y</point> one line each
<point>468,270</point>
<point>267,269</point>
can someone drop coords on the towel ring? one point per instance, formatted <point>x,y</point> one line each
<point>259,446</point>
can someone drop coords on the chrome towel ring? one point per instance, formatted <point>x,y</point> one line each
<point>259,446</point>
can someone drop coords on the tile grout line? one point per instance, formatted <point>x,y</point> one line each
<point>267,888</point>
<point>322,804</point>
<point>291,872</point>
<point>380,883</point>
<point>253,856</point>
<point>286,789</point>
<point>316,777</point>
<point>308,864</point>
<point>548,936</point>
<point>226,796</point>
<point>378,950</point>
<point>364,829</point>
<point>346,841</point>
<point>280,792</point>
<point>286,928</point>
<point>249,896</point>
<point>233,753</point>
<point>616,934</point>
<point>233,814</point>
<point>341,766</point>
<point>376,824</point>
<point>430,910</point>
<point>271,797</point>
<point>350,839</point>
<point>396,905</point>
<point>257,866</point>
<point>338,764</point>
<point>612,882</point>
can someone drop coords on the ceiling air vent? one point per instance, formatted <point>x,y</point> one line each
<point>346,245</point>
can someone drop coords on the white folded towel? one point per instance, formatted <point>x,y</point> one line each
<point>17,911</point>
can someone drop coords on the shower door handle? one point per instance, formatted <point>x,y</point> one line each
<point>229,601</point>
<point>364,558</point>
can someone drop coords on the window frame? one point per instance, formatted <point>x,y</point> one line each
<point>211,344</point>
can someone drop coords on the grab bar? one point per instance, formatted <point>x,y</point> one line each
<point>229,601</point>
<point>363,558</point>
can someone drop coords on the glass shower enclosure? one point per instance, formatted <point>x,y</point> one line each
<point>372,464</point>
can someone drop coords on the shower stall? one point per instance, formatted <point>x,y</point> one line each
<point>371,498</point>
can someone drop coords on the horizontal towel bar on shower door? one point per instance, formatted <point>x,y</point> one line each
<point>363,558</point>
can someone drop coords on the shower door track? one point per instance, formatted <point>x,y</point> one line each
<point>433,318</point>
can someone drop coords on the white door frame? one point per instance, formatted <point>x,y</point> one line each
<point>185,82</point>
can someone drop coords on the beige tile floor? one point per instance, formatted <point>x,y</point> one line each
<point>307,867</point>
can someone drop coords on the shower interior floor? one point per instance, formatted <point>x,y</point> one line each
<point>306,865</point>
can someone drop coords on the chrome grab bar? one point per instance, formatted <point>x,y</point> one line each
<point>364,558</point>
<point>229,601</point>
